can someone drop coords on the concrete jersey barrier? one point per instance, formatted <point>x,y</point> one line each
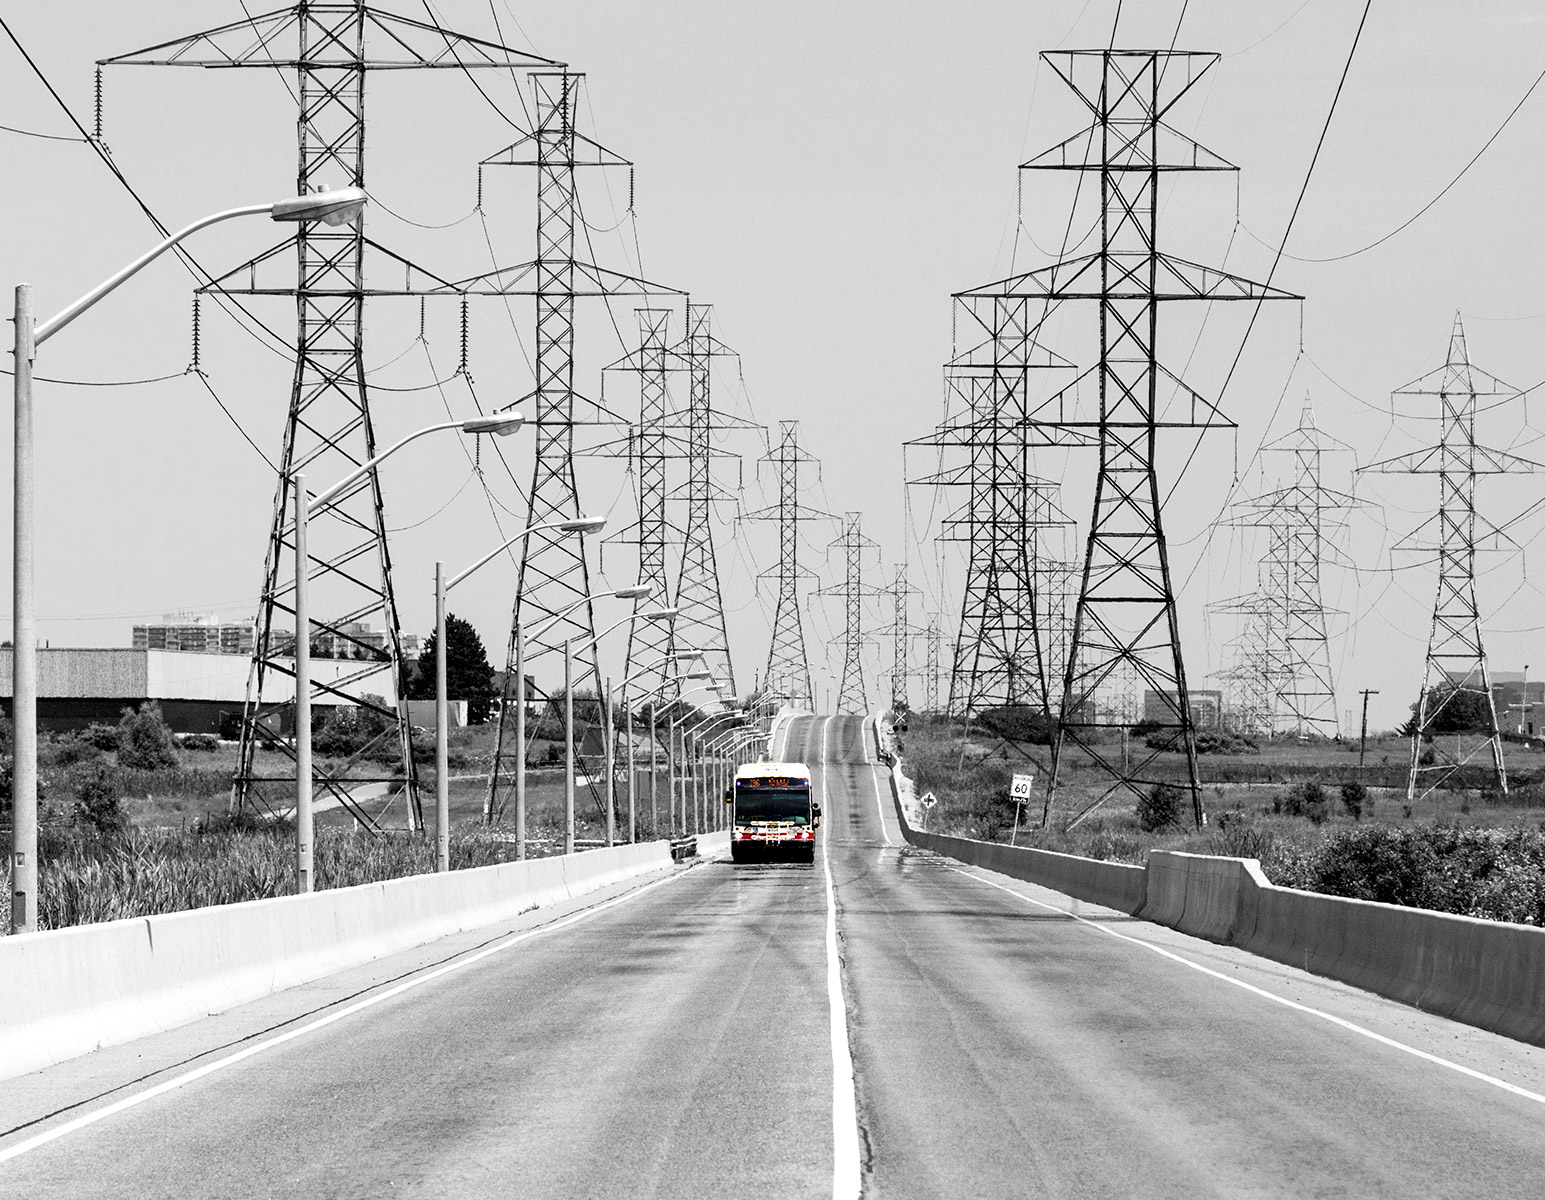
<point>1489,974</point>
<point>70,991</point>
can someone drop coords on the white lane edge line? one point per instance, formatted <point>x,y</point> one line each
<point>846,1173</point>
<point>1341,1022</point>
<point>86,1119</point>
<point>874,778</point>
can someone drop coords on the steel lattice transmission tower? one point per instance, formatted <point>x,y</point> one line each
<point>1124,618</point>
<point>647,447</point>
<point>1456,653</point>
<point>788,662</point>
<point>552,602</point>
<point>851,697</point>
<point>1000,655</point>
<point>900,633</point>
<point>933,641</point>
<point>699,598</point>
<point>329,428</point>
<point>1306,700</point>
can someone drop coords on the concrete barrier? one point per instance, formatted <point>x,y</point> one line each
<point>70,991</point>
<point>1196,893</point>
<point>1484,973</point>
<point>1114,885</point>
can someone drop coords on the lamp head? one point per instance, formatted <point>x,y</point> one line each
<point>642,592</point>
<point>583,525</point>
<point>659,614</point>
<point>331,208</point>
<point>502,425</point>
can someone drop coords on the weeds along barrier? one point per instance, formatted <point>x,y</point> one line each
<point>1489,974</point>
<point>67,992</point>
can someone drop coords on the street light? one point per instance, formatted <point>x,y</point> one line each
<point>580,525</point>
<point>654,740</point>
<point>715,752</point>
<point>517,658</point>
<point>651,614</point>
<point>627,726</point>
<point>304,509</point>
<point>333,208</point>
<point>678,772</point>
<point>698,766</point>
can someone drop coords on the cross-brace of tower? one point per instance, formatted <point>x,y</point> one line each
<point>1125,613</point>
<point>788,663</point>
<point>329,429</point>
<point>1000,655</point>
<point>1456,653</point>
<point>851,697</point>
<point>552,599</point>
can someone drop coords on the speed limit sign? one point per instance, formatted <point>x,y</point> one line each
<point>1021,787</point>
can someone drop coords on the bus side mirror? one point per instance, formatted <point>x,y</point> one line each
<point>816,814</point>
<point>729,796</point>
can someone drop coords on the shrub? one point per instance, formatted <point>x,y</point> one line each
<point>1306,799</point>
<point>97,806</point>
<point>103,737</point>
<point>68,750</point>
<point>1225,743</point>
<point>1353,796</point>
<point>1019,724</point>
<point>1159,809</point>
<point>349,731</point>
<point>145,741</point>
<point>203,743</point>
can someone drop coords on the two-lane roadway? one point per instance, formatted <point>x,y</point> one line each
<point>886,1020</point>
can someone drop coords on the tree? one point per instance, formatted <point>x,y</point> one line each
<point>145,740</point>
<point>1464,710</point>
<point>468,675</point>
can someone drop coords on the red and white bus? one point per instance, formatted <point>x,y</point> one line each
<point>775,813</point>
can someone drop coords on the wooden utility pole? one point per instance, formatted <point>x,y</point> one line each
<point>1362,746</point>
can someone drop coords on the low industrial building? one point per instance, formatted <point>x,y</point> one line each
<point>198,693</point>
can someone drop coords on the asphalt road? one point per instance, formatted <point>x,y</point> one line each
<point>676,1040</point>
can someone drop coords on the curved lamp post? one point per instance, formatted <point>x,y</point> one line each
<point>304,511</point>
<point>332,208</point>
<point>579,525</point>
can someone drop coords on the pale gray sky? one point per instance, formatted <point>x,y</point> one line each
<point>825,174</point>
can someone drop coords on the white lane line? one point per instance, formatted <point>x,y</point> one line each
<point>1276,999</point>
<point>846,1176</point>
<point>874,778</point>
<point>230,1060</point>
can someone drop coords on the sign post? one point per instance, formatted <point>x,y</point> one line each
<point>928,801</point>
<point>1019,793</point>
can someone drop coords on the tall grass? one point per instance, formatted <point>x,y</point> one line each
<point>85,877</point>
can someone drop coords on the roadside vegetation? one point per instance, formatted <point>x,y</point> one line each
<point>1306,811</point>
<point>133,821</point>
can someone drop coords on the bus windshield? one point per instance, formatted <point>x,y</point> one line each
<point>772,804</point>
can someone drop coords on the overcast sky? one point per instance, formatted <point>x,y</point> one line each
<point>824,174</point>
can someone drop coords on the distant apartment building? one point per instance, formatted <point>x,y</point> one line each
<point>354,639</point>
<point>1206,707</point>
<point>195,633</point>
